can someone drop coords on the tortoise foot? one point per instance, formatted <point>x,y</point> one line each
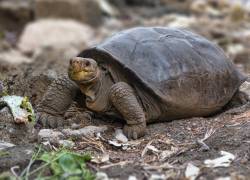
<point>135,131</point>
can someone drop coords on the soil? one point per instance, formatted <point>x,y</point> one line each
<point>231,133</point>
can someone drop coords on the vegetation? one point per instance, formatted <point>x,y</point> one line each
<point>61,164</point>
<point>28,107</point>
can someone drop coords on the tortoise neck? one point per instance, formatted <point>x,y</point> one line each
<point>97,92</point>
<point>90,88</point>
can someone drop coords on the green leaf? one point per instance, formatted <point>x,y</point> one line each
<point>68,164</point>
<point>55,167</point>
<point>65,164</point>
<point>46,157</point>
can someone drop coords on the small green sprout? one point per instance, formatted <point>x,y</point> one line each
<point>28,107</point>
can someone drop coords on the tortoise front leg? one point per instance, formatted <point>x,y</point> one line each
<point>124,100</point>
<point>55,102</point>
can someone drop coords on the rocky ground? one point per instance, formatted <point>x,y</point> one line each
<point>35,45</point>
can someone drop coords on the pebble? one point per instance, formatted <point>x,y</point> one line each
<point>120,136</point>
<point>86,131</point>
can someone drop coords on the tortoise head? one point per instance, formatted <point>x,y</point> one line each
<point>82,69</point>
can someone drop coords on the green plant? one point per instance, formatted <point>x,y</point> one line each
<point>63,164</point>
<point>4,154</point>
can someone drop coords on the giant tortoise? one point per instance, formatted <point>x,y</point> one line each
<point>144,75</point>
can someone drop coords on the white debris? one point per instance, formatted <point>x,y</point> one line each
<point>4,145</point>
<point>223,178</point>
<point>120,136</point>
<point>86,131</point>
<point>49,135</point>
<point>191,171</point>
<point>150,148</point>
<point>101,176</point>
<point>115,143</point>
<point>66,143</point>
<point>157,177</point>
<point>132,178</point>
<point>223,161</point>
<point>20,115</point>
<point>168,153</point>
<point>107,7</point>
<point>181,21</point>
<point>101,158</point>
<point>234,49</point>
<point>153,148</point>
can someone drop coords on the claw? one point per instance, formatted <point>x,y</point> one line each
<point>134,131</point>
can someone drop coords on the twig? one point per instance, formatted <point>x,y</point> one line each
<point>97,145</point>
<point>46,164</point>
<point>121,163</point>
<point>33,158</point>
<point>144,151</point>
<point>12,169</point>
<point>201,142</point>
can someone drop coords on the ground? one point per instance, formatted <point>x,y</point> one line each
<point>180,140</point>
<point>168,148</point>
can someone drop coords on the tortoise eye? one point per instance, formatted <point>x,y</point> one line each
<point>87,63</point>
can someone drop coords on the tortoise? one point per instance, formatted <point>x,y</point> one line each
<point>145,75</point>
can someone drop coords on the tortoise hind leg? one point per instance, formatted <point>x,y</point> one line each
<point>239,98</point>
<point>55,102</point>
<point>237,104</point>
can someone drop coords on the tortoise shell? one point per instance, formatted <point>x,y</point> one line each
<point>183,69</point>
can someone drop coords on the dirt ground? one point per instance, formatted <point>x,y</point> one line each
<point>227,131</point>
<point>168,147</point>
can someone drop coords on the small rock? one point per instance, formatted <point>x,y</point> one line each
<point>223,178</point>
<point>66,143</point>
<point>4,145</point>
<point>100,158</point>
<point>234,49</point>
<point>191,171</point>
<point>173,20</point>
<point>55,34</point>
<point>85,11</point>
<point>101,176</point>
<point>245,87</point>
<point>120,136</point>
<point>132,178</point>
<point>182,21</point>
<point>86,131</point>
<point>1,87</point>
<point>49,135</point>
<point>75,126</point>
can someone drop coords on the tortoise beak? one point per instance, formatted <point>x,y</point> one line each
<point>81,69</point>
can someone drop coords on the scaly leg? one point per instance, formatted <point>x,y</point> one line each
<point>55,102</point>
<point>124,100</point>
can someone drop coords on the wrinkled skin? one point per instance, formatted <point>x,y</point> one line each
<point>102,96</point>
